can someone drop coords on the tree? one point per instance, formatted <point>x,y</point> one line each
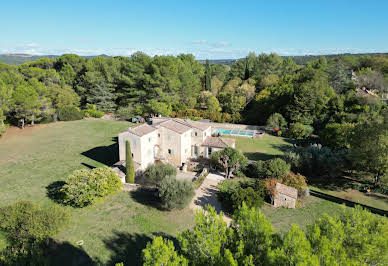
<point>162,252</point>
<point>369,148</point>
<point>276,120</point>
<point>25,103</point>
<point>213,104</point>
<point>5,97</point>
<point>274,168</point>
<point>229,159</point>
<point>130,169</point>
<point>155,173</point>
<point>208,76</point>
<point>175,193</point>
<point>300,131</point>
<point>207,242</point>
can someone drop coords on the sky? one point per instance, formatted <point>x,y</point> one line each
<point>208,29</point>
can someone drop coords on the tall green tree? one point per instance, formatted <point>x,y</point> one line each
<point>229,159</point>
<point>25,103</point>
<point>129,167</point>
<point>162,252</point>
<point>208,76</point>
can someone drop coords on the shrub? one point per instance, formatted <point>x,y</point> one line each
<point>84,187</point>
<point>300,131</point>
<point>26,223</point>
<point>175,193</point>
<point>126,113</point>
<point>276,120</point>
<point>247,195</point>
<point>3,128</point>
<point>155,173</point>
<point>274,168</point>
<point>69,113</point>
<point>297,181</point>
<point>316,160</point>
<point>232,193</point>
<point>91,111</point>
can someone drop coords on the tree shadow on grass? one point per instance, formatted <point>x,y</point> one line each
<point>107,155</point>
<point>346,202</point>
<point>53,191</point>
<point>146,197</point>
<point>127,247</point>
<point>64,253</point>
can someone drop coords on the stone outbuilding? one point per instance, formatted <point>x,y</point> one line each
<point>285,196</point>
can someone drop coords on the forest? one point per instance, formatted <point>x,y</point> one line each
<point>342,100</point>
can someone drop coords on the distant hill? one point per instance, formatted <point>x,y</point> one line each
<point>18,59</point>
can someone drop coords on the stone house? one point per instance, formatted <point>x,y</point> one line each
<point>175,141</point>
<point>285,196</point>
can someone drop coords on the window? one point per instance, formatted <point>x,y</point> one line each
<point>195,133</point>
<point>210,150</point>
<point>171,151</point>
<point>158,135</point>
<point>169,137</point>
<point>149,139</point>
<point>134,142</point>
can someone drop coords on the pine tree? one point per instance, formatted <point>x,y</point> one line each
<point>130,175</point>
<point>208,76</point>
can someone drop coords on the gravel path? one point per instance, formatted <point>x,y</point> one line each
<point>206,194</point>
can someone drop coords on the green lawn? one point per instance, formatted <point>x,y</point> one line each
<point>114,230</point>
<point>263,148</point>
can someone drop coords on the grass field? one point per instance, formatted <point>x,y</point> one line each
<point>118,228</point>
<point>263,148</point>
<point>114,230</point>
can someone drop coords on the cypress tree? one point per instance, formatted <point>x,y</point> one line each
<point>130,175</point>
<point>246,74</point>
<point>208,76</point>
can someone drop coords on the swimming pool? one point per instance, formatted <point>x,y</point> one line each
<point>235,132</point>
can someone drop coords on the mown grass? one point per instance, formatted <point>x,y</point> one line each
<point>113,230</point>
<point>263,148</point>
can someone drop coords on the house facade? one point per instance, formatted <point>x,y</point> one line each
<point>170,140</point>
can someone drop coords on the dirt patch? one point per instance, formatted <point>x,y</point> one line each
<point>16,131</point>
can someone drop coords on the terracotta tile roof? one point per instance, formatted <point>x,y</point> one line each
<point>218,142</point>
<point>178,127</point>
<point>200,125</point>
<point>141,130</point>
<point>286,190</point>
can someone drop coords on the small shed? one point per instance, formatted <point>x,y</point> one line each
<point>285,196</point>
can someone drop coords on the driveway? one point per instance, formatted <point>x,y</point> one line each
<point>206,194</point>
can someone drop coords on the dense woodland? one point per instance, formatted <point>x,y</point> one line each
<point>341,100</point>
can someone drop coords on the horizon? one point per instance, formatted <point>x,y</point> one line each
<point>217,30</point>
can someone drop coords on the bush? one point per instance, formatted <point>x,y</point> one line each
<point>26,223</point>
<point>276,120</point>
<point>3,128</point>
<point>175,193</point>
<point>91,111</point>
<point>155,173</point>
<point>247,195</point>
<point>316,160</point>
<point>297,181</point>
<point>232,193</point>
<point>69,113</point>
<point>274,168</point>
<point>300,131</point>
<point>84,187</point>
<point>126,113</point>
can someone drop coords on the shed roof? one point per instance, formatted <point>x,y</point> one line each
<point>141,130</point>
<point>286,190</point>
<point>218,142</point>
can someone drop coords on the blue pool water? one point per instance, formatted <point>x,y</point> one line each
<point>235,132</point>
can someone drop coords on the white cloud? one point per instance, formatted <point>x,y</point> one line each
<point>200,42</point>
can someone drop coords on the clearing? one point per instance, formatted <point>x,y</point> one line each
<point>111,231</point>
